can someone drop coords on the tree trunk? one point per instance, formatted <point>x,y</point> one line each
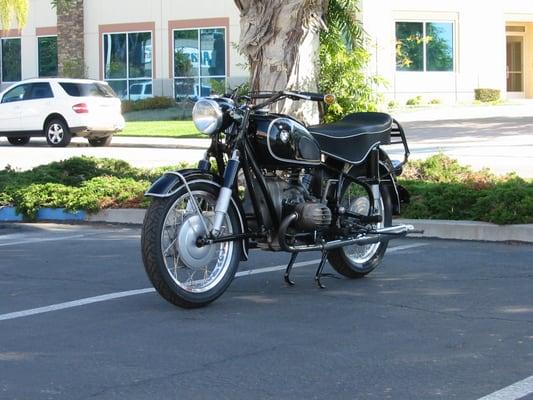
<point>281,39</point>
<point>70,39</point>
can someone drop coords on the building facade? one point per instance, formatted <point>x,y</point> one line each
<point>446,49</point>
<point>437,50</point>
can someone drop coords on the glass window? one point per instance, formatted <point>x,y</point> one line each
<point>47,52</point>
<point>11,70</point>
<point>87,89</point>
<point>424,46</point>
<point>127,59</point>
<point>41,91</point>
<point>199,62</point>
<point>18,93</point>
<point>409,46</point>
<point>439,47</point>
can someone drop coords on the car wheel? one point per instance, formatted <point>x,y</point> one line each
<point>19,140</point>
<point>100,142</point>
<point>57,133</point>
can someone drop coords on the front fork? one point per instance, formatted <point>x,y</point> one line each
<point>373,174</point>
<point>224,197</point>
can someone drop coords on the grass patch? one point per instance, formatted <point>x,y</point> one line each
<point>169,129</point>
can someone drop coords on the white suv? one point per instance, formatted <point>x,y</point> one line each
<point>59,109</point>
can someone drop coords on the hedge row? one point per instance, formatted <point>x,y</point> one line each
<point>79,183</point>
<point>440,189</point>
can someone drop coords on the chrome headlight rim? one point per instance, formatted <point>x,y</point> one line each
<point>202,122</point>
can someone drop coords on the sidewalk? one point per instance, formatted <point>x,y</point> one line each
<point>514,108</point>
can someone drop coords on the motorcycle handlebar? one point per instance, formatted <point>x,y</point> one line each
<point>294,95</point>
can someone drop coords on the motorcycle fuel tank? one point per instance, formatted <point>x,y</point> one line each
<point>281,141</point>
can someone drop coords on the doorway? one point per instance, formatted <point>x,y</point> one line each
<point>515,66</point>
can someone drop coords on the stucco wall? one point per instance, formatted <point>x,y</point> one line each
<point>480,45</point>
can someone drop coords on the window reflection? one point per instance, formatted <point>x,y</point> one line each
<point>199,62</point>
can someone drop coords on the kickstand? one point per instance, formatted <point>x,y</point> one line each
<point>319,273</point>
<point>289,269</point>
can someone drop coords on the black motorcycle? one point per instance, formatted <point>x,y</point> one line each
<point>269,182</point>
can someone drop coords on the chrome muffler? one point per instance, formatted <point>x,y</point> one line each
<point>375,236</point>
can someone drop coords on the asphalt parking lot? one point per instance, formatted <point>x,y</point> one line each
<point>439,320</point>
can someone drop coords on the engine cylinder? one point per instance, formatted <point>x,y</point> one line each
<point>312,216</point>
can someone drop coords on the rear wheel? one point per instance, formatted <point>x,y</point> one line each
<point>57,133</point>
<point>183,273</point>
<point>101,142</point>
<point>357,261</point>
<point>19,140</point>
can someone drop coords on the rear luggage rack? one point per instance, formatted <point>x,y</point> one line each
<point>397,132</point>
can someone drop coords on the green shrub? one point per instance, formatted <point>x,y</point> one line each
<point>414,101</point>
<point>344,63</point>
<point>153,103</point>
<point>506,202</point>
<point>441,188</point>
<point>392,104</point>
<point>487,95</point>
<point>93,195</point>
<point>435,101</point>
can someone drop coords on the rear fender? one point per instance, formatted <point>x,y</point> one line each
<point>170,182</point>
<point>398,194</point>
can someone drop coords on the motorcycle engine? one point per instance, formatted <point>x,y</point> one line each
<point>290,194</point>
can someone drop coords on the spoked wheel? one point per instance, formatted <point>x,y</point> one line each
<point>357,261</point>
<point>184,273</point>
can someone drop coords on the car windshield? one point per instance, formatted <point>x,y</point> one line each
<point>87,89</point>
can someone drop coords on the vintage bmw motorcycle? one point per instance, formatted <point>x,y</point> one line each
<point>275,185</point>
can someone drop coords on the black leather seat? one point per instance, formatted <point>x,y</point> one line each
<point>352,138</point>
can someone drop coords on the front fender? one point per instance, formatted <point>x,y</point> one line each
<point>170,182</point>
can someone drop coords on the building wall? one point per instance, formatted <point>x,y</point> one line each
<point>100,16</point>
<point>480,45</point>
<point>480,40</point>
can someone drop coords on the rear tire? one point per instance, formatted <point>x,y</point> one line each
<point>101,142</point>
<point>164,255</point>
<point>350,266</point>
<point>57,133</point>
<point>19,140</point>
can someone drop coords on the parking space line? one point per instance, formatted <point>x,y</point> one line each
<point>38,240</point>
<point>119,295</point>
<point>515,391</point>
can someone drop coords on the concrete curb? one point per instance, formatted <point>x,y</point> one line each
<point>458,230</point>
<point>470,230</point>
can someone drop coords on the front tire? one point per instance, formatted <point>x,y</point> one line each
<point>57,133</point>
<point>19,140</point>
<point>184,274</point>
<point>357,261</point>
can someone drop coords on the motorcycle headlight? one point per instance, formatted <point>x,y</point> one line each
<point>207,116</point>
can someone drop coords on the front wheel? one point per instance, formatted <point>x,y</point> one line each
<point>357,261</point>
<point>183,273</point>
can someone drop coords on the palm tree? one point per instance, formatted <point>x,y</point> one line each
<point>281,40</point>
<point>11,10</point>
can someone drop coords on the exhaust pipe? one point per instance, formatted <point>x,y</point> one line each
<point>377,236</point>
